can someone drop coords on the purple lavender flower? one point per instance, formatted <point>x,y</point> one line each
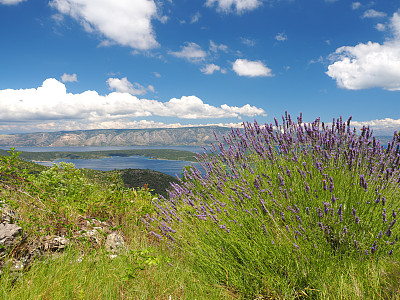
<point>353,211</point>
<point>373,248</point>
<point>392,223</point>
<point>288,173</point>
<point>307,187</point>
<point>265,230</point>
<point>281,179</point>
<point>324,185</point>
<point>384,215</point>
<point>326,208</point>
<point>345,230</point>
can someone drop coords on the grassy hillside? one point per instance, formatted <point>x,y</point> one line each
<point>315,220</point>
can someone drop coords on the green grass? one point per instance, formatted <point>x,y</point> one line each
<point>51,200</point>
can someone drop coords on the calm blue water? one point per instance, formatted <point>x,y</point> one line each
<point>171,167</point>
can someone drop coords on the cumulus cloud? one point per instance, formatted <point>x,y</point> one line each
<point>239,6</point>
<point>190,51</point>
<point>372,13</point>
<point>385,126</point>
<point>244,67</point>
<point>52,102</point>
<point>11,2</point>
<point>211,68</point>
<point>69,78</point>
<point>124,86</point>
<point>369,65</point>
<point>126,23</point>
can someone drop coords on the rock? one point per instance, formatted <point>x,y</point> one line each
<point>114,242</point>
<point>9,234</point>
<point>94,235</point>
<point>54,243</point>
<point>7,214</point>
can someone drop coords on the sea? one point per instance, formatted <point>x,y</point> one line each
<point>170,167</point>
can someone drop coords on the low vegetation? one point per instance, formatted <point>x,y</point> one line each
<point>291,211</point>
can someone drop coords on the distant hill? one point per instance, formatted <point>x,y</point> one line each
<point>187,136</point>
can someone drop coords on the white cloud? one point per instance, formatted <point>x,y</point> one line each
<point>244,67</point>
<point>369,65</point>
<point>124,86</point>
<point>69,78</point>
<point>190,51</point>
<point>248,42</point>
<point>195,18</point>
<point>281,37</point>
<point>239,6</point>
<point>215,48</point>
<point>385,126</point>
<point>11,2</point>
<point>211,68</point>
<point>380,27</point>
<point>355,5</point>
<point>156,74</point>
<point>319,60</point>
<point>127,23</point>
<point>372,13</point>
<point>51,102</point>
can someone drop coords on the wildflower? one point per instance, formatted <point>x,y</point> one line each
<point>324,185</point>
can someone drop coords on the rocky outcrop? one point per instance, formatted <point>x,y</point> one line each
<point>22,249</point>
<point>8,236</point>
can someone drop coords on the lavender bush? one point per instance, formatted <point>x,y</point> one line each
<point>283,207</point>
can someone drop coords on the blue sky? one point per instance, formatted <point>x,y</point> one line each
<point>80,64</point>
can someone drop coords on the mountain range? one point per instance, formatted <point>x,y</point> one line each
<point>187,136</point>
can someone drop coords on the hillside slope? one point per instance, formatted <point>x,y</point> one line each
<point>193,136</point>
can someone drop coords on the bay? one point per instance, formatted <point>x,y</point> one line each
<point>170,167</point>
